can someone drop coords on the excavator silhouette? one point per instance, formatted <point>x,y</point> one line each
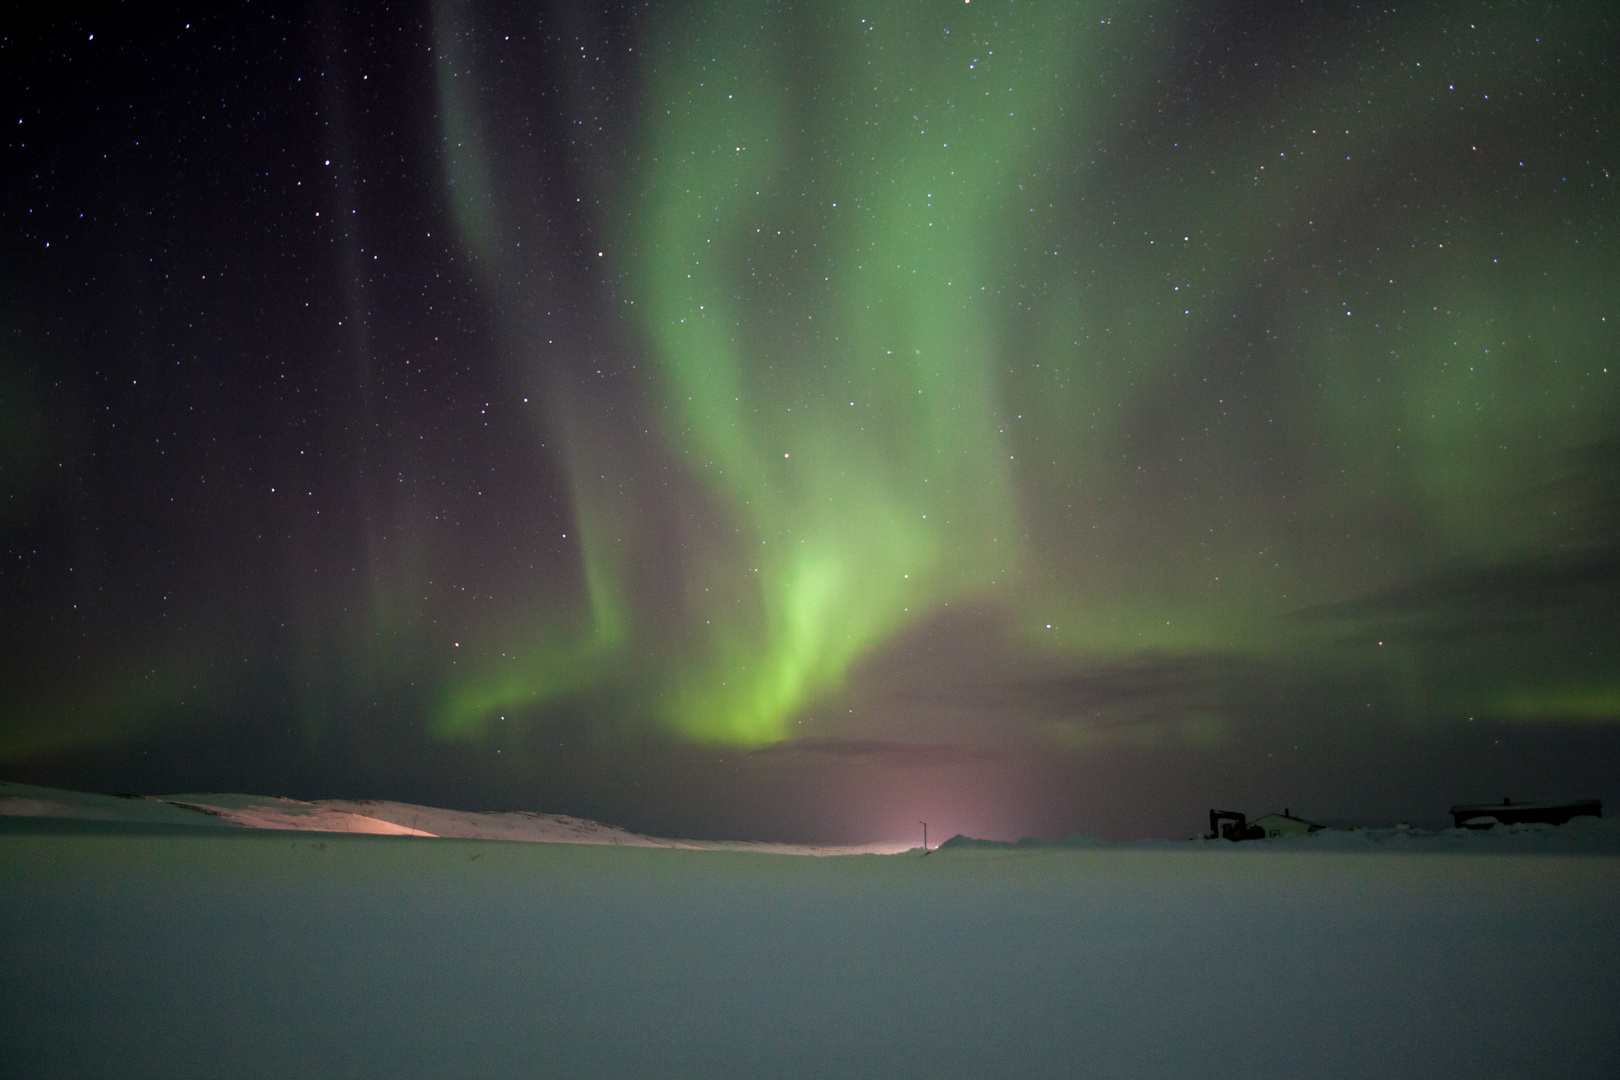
<point>1231,825</point>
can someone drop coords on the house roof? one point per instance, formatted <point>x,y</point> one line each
<point>1286,817</point>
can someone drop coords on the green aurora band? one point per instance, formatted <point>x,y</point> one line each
<point>955,305</point>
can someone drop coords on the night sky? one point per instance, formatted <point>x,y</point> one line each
<point>793,422</point>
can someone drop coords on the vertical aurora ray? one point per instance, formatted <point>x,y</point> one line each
<point>816,232</point>
<point>567,644</point>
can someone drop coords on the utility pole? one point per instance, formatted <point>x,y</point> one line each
<point>924,824</point>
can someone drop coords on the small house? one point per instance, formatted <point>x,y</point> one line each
<point>1507,812</point>
<point>1285,824</point>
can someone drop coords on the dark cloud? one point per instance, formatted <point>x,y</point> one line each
<point>1579,581</point>
<point>895,753</point>
<point>1582,585</point>
<point>1125,690</point>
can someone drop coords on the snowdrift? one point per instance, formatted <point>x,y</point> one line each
<point>367,816</point>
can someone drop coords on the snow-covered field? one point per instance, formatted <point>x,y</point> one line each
<point>174,950</point>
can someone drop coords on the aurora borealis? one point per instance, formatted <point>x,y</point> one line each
<point>808,419</point>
